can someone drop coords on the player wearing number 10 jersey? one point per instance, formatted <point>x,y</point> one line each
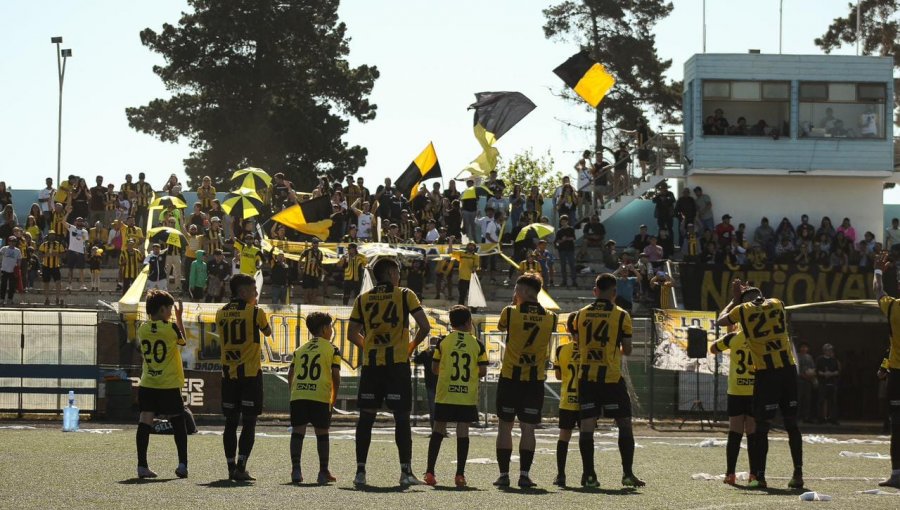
<point>890,307</point>
<point>764,323</point>
<point>239,324</point>
<point>379,327</point>
<point>604,336</point>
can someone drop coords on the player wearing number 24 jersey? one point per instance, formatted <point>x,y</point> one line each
<point>890,368</point>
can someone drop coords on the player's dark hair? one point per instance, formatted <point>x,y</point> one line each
<point>460,316</point>
<point>238,281</point>
<point>571,327</point>
<point>316,322</point>
<point>605,281</point>
<point>157,299</point>
<point>383,269</point>
<point>532,281</point>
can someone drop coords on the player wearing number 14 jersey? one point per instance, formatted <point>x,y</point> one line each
<point>240,324</point>
<point>764,323</point>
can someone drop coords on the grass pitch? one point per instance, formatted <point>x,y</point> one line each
<point>42,467</point>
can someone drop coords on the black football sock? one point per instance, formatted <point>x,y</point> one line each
<point>626,450</point>
<point>462,454</point>
<point>762,447</point>
<point>248,437</point>
<point>180,434</point>
<point>586,447</point>
<point>562,452</point>
<point>895,442</point>
<point>296,448</point>
<point>323,447</point>
<point>363,439</point>
<point>526,458</point>
<point>229,438</point>
<point>795,441</point>
<point>403,438</point>
<point>751,452</point>
<point>434,447</point>
<point>732,450</point>
<point>503,457</point>
<point>142,438</point>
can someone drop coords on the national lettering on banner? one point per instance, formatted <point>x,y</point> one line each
<point>709,288</point>
<point>670,346</point>
<point>202,350</point>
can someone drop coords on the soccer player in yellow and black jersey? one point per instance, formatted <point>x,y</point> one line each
<point>890,307</point>
<point>315,377</point>
<point>469,262</point>
<point>764,323</point>
<point>162,378</point>
<point>354,264</point>
<point>740,400</point>
<point>566,368</point>
<point>520,391</point>
<point>604,336</point>
<point>240,324</point>
<point>379,326</point>
<point>459,361</point>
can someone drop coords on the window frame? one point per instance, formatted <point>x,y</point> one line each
<point>883,101</point>
<point>703,113</point>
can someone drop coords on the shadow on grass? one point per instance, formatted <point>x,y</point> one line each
<point>304,484</point>
<point>771,491</point>
<point>622,491</point>
<point>225,484</point>
<point>141,481</point>
<point>450,488</point>
<point>376,490</point>
<point>517,490</point>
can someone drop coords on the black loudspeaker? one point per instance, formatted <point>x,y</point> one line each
<point>696,346</point>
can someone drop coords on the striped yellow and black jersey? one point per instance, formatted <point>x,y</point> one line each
<point>460,355</point>
<point>311,262</point>
<point>143,193</point>
<point>135,233</point>
<point>468,263</point>
<point>112,201</point>
<point>529,328</point>
<point>159,342</point>
<point>206,197</point>
<point>130,263</point>
<point>128,188</point>
<point>384,314</point>
<point>212,241</point>
<point>529,267</point>
<point>568,363</point>
<point>52,252</point>
<point>58,224</point>
<point>765,326</point>
<point>445,266</point>
<point>602,328</point>
<point>740,370</point>
<point>353,271</point>
<point>890,307</point>
<point>312,368</point>
<point>240,326</point>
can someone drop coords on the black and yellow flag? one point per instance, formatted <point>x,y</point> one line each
<point>587,78</point>
<point>424,167</point>
<point>496,113</point>
<point>312,217</point>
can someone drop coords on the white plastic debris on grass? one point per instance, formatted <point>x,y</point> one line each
<point>817,439</point>
<point>814,496</point>
<point>865,455</point>
<point>742,476</point>
<point>706,443</point>
<point>17,427</point>
<point>878,492</point>
<point>99,431</point>
<point>485,460</point>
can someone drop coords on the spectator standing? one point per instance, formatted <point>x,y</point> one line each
<point>468,264</point>
<point>516,204</point>
<point>665,206</point>
<point>311,264</point>
<point>585,184</point>
<point>198,276</point>
<point>594,236</point>
<point>725,231</point>
<point>98,202</point>
<point>686,212</point>
<point>95,260</point>
<point>10,255</point>
<point>130,263</point>
<point>65,189</point>
<point>892,235</point>
<point>75,255</point>
<point>566,200</point>
<point>354,264</point>
<point>280,279</point>
<point>565,246</point>
<point>5,195</point>
<point>545,259</point>
<point>8,222</point>
<point>206,193</point>
<point>218,272</point>
<point>653,250</point>
<point>45,199</point>
<point>156,263</point>
<point>704,209</point>
<point>765,237</point>
<point>52,252</point>
<point>621,182</point>
<point>143,194</point>
<point>642,135</point>
<point>828,368</point>
<point>469,209</point>
<point>79,199</point>
<point>664,239</point>
<point>112,204</point>
<point>806,383</point>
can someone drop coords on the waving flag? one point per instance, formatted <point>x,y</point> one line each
<point>312,217</point>
<point>424,167</point>
<point>587,78</point>
<point>495,114</point>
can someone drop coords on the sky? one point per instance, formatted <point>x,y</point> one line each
<point>432,55</point>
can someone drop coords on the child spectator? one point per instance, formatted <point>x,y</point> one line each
<point>218,272</point>
<point>95,260</point>
<point>280,279</point>
<point>198,276</point>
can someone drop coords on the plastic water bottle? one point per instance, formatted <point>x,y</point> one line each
<point>70,415</point>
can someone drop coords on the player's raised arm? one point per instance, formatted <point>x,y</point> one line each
<point>737,287</point>
<point>880,265</point>
<point>179,311</point>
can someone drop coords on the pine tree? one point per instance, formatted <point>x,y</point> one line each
<point>262,83</point>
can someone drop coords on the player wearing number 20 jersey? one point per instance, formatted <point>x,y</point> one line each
<point>159,345</point>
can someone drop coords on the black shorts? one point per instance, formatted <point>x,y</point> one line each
<point>520,399</point>
<point>310,282</point>
<point>775,389</point>
<point>388,384</point>
<point>317,414</point>
<point>74,260</point>
<point>243,395</point>
<point>569,419</point>
<point>893,394</point>
<point>643,154</point>
<point>454,413</point>
<point>157,401</point>
<point>48,273</point>
<point>609,400</point>
<point>740,405</point>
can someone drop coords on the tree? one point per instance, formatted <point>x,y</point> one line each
<point>262,83</point>
<point>879,28</point>
<point>619,35</point>
<point>527,170</point>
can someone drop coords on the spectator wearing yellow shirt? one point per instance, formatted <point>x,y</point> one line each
<point>65,188</point>
<point>250,256</point>
<point>529,265</point>
<point>194,243</point>
<point>444,268</point>
<point>468,264</point>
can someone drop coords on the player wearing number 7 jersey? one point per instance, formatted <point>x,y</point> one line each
<point>764,323</point>
<point>604,336</point>
<point>240,324</point>
<point>379,327</point>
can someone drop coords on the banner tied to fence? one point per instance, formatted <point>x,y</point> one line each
<point>671,340</point>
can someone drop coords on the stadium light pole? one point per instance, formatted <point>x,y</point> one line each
<point>61,56</point>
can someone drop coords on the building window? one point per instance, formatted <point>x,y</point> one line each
<point>746,108</point>
<point>842,110</point>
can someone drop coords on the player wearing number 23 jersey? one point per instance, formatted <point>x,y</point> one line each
<point>384,314</point>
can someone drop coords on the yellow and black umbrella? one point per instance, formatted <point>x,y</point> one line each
<point>475,192</point>
<point>540,231</point>
<point>161,202</point>
<point>253,178</point>
<point>166,235</point>
<point>243,203</point>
